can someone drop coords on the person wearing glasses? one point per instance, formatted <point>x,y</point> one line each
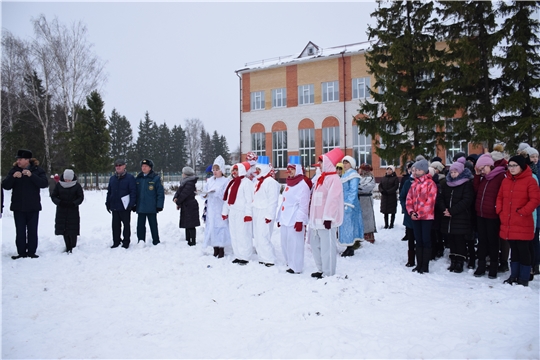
<point>121,198</point>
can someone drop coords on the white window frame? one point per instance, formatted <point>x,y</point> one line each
<point>453,147</point>
<point>258,143</point>
<point>362,147</point>
<point>306,141</point>
<point>330,137</point>
<point>330,91</point>
<point>279,149</point>
<point>257,100</point>
<point>279,98</point>
<point>361,87</point>
<point>306,94</point>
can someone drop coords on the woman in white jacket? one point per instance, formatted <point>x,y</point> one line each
<point>265,201</point>
<point>293,215</point>
<point>237,208</point>
<point>216,233</point>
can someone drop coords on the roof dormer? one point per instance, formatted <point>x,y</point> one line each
<point>310,50</point>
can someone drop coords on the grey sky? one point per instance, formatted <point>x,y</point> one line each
<point>176,60</point>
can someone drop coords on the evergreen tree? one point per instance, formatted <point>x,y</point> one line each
<point>121,135</point>
<point>206,155</point>
<point>225,152</point>
<point>404,117</point>
<point>146,141</point>
<point>163,149</point>
<point>519,104</point>
<point>90,144</point>
<point>469,27</point>
<point>178,156</point>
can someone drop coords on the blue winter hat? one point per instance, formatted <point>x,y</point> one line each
<point>209,169</point>
<point>294,160</point>
<point>263,160</point>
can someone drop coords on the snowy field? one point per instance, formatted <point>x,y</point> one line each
<point>176,301</point>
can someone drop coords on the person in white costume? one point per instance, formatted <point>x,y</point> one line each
<point>237,208</point>
<point>293,215</point>
<point>326,215</point>
<point>251,158</point>
<point>216,233</point>
<point>265,202</point>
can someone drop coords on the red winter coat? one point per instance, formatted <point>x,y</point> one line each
<point>421,197</point>
<point>518,197</point>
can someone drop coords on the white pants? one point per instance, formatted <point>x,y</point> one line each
<point>324,248</point>
<point>262,235</point>
<point>292,244</point>
<point>240,235</point>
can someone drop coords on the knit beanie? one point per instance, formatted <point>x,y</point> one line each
<point>458,155</point>
<point>522,146</point>
<point>188,171</point>
<point>437,165</point>
<point>520,160</point>
<point>419,157</point>
<point>459,165</point>
<point>422,165</point>
<point>484,160</point>
<point>531,151</point>
<point>68,174</point>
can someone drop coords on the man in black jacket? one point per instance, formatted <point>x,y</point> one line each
<point>25,180</point>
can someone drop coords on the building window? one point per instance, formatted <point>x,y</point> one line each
<point>307,146</point>
<point>279,97</point>
<point>279,149</point>
<point>361,147</point>
<point>330,91</point>
<point>257,100</point>
<point>454,145</point>
<point>306,94</point>
<point>360,87</point>
<point>330,136</point>
<point>258,143</point>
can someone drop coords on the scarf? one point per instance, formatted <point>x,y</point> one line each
<point>295,180</point>
<point>320,180</point>
<point>234,184</point>
<point>498,170</point>
<point>261,179</point>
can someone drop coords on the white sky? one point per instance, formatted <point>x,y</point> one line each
<point>177,60</point>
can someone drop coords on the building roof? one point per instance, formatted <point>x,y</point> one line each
<point>309,52</point>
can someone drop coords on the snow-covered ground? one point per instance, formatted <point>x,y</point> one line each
<point>175,301</point>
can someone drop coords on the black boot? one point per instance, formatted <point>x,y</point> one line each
<point>410,261</point>
<point>386,221</point>
<point>67,241</point>
<point>425,260</point>
<point>481,270</point>
<point>452,263</point>
<point>419,259</point>
<point>349,251</point>
<point>459,264</point>
<point>221,252</point>
<point>392,219</point>
<point>216,251</point>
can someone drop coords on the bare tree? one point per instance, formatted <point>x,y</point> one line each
<point>193,140</point>
<point>12,80</point>
<point>76,70</point>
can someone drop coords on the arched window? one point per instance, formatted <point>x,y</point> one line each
<point>306,141</point>
<point>330,134</point>
<point>279,145</point>
<point>258,139</point>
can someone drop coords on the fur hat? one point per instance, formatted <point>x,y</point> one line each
<point>188,171</point>
<point>68,174</point>
<point>147,162</point>
<point>484,160</point>
<point>422,165</point>
<point>366,167</point>
<point>459,165</point>
<point>351,161</point>
<point>520,160</point>
<point>392,167</point>
<point>24,154</point>
<point>437,165</point>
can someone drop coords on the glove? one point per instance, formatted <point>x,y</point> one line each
<point>247,218</point>
<point>278,225</point>
<point>327,224</point>
<point>134,208</point>
<point>159,209</point>
<point>224,217</point>
<point>108,209</point>
<point>298,226</point>
<point>268,221</point>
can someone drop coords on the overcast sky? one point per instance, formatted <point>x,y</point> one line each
<point>177,60</point>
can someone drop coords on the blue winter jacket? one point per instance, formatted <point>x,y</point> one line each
<point>120,186</point>
<point>150,193</point>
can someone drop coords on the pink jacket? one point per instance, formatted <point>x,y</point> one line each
<point>421,197</point>
<point>327,199</point>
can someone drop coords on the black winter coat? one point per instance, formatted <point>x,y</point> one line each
<point>189,206</point>
<point>26,190</point>
<point>388,189</point>
<point>458,200</point>
<point>67,200</point>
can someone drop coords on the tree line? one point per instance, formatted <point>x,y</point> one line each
<point>50,103</point>
<point>452,71</point>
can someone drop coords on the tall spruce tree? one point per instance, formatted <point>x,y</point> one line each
<point>163,149</point>
<point>146,141</point>
<point>519,103</point>
<point>404,117</point>
<point>121,135</point>
<point>90,143</point>
<point>178,156</point>
<point>470,29</point>
<point>225,152</point>
<point>206,155</point>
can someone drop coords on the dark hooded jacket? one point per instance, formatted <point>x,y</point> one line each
<point>67,198</point>
<point>458,200</point>
<point>189,206</point>
<point>25,195</point>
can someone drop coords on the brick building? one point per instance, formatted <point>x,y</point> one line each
<point>304,104</point>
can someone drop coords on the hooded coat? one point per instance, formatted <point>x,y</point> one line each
<point>189,206</point>
<point>67,196</point>
<point>26,189</point>
<point>458,200</point>
<point>327,201</point>
<point>388,189</point>
<point>216,232</point>
<point>421,197</point>
<point>352,228</point>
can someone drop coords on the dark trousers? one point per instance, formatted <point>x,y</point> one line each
<point>141,227</point>
<point>191,234</point>
<point>26,226</point>
<point>521,251</point>
<point>488,241</point>
<point>422,233</point>
<point>71,242</point>
<point>410,238</point>
<point>536,247</point>
<point>458,244</point>
<point>120,218</point>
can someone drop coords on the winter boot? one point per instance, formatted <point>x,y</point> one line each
<point>524,274</point>
<point>514,273</point>
<point>419,258</point>
<point>386,221</point>
<point>459,264</point>
<point>410,262</point>
<point>349,251</point>
<point>392,219</point>
<point>536,269</point>
<point>67,241</point>
<point>425,260</point>
<point>452,263</point>
<point>481,270</point>
<point>216,251</point>
<point>221,252</point>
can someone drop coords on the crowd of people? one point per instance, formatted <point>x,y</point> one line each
<point>484,209</point>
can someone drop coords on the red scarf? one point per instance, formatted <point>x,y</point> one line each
<point>235,183</point>
<point>320,180</point>
<point>261,179</point>
<point>295,180</point>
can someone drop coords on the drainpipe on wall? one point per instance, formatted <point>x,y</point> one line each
<point>240,115</point>
<point>344,106</point>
